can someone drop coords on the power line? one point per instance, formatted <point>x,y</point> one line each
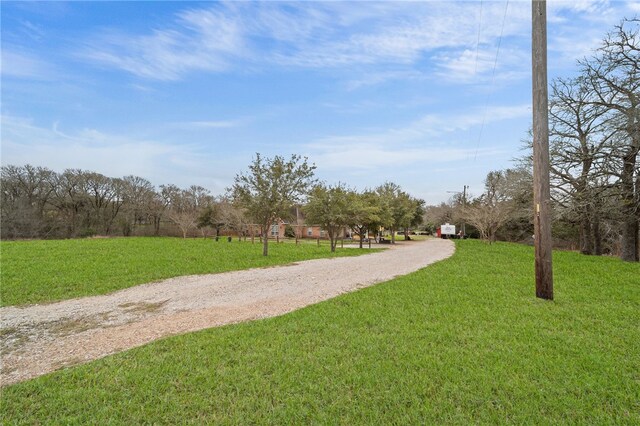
<point>493,79</point>
<point>478,41</point>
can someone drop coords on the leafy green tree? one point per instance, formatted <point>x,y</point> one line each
<point>210,217</point>
<point>397,207</point>
<point>328,206</point>
<point>364,213</point>
<point>270,188</point>
<point>417,216</point>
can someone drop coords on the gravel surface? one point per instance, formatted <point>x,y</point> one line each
<point>38,339</point>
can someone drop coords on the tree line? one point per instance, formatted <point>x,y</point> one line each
<point>271,187</point>
<point>594,122</point>
<point>39,203</point>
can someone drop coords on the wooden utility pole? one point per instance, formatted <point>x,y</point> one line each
<point>541,192</point>
<point>464,207</point>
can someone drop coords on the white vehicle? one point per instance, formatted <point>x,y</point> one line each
<point>447,231</point>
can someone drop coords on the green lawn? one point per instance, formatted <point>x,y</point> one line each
<point>44,271</point>
<point>462,341</point>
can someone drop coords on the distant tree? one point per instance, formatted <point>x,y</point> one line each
<point>417,216</point>
<point>328,206</point>
<point>70,199</point>
<point>397,207</point>
<point>138,195</point>
<point>232,217</point>
<point>105,198</point>
<point>434,216</point>
<point>158,205</point>
<point>186,205</point>
<point>518,189</point>
<point>364,210</point>
<point>25,193</point>
<point>492,209</point>
<point>270,189</point>
<point>210,218</point>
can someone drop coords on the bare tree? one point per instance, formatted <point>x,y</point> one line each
<point>614,77</point>
<point>70,199</point>
<point>158,205</point>
<point>492,209</point>
<point>580,140</point>
<point>138,194</point>
<point>435,216</point>
<point>105,197</point>
<point>184,206</point>
<point>270,188</point>
<point>25,193</point>
<point>233,217</point>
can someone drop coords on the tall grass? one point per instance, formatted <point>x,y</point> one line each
<point>45,271</point>
<point>459,342</point>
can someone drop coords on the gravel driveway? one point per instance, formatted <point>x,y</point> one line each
<point>38,339</point>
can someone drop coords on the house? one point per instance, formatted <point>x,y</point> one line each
<point>299,228</point>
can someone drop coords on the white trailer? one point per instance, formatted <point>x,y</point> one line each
<point>447,231</point>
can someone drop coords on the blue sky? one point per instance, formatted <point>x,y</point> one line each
<point>188,92</point>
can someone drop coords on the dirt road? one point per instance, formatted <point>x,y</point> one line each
<point>38,339</point>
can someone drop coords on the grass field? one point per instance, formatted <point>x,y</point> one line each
<point>462,341</point>
<point>44,271</point>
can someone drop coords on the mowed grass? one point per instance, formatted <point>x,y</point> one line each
<point>463,341</point>
<point>45,271</point>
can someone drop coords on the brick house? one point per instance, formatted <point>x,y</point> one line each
<point>300,228</point>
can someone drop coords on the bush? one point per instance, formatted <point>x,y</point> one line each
<point>289,232</point>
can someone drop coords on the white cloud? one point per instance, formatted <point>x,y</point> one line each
<point>310,35</point>
<point>370,157</point>
<point>375,78</point>
<point>202,40</point>
<point>214,124</point>
<point>23,142</point>
<point>424,138</point>
<point>589,7</point>
<point>32,30</point>
<point>23,65</point>
<point>470,67</point>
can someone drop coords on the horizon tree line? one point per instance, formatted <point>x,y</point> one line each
<point>37,202</point>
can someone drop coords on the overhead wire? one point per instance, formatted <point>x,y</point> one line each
<point>493,78</point>
<point>478,40</point>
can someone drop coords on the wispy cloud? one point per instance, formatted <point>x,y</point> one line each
<point>309,35</point>
<point>214,124</point>
<point>23,65</point>
<point>426,137</point>
<point>484,66</point>
<point>199,40</point>
<point>33,31</point>
<point>594,10</point>
<point>24,142</point>
<point>367,157</point>
<point>376,78</point>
